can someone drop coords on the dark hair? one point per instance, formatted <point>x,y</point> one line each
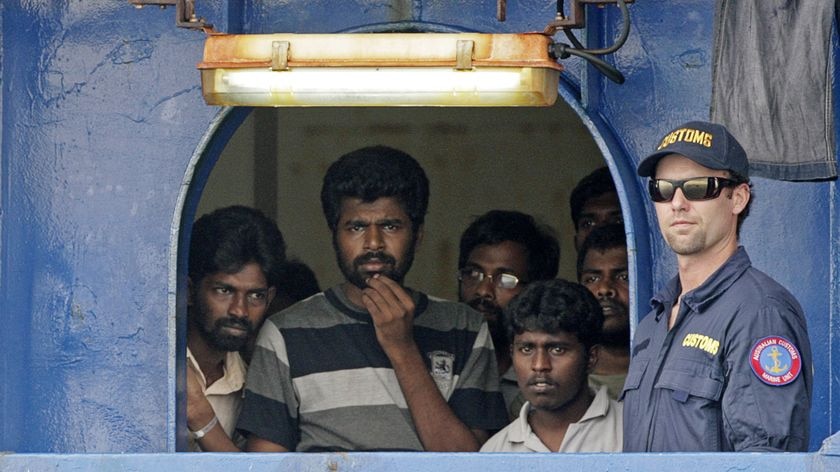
<point>227,239</point>
<point>597,183</point>
<point>601,239</point>
<point>297,281</point>
<point>374,172</point>
<point>556,305</point>
<point>498,226</point>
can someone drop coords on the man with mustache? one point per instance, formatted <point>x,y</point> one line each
<point>235,255</point>
<point>371,364</point>
<point>602,268</point>
<point>500,253</point>
<point>554,326</point>
<point>722,362</point>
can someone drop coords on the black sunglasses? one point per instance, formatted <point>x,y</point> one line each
<point>695,188</point>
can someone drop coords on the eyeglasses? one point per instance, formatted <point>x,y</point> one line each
<point>473,277</point>
<point>695,188</point>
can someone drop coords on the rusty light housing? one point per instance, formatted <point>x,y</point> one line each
<point>379,69</point>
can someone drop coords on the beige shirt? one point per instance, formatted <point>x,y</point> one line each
<point>614,383</point>
<point>599,430</point>
<point>225,394</point>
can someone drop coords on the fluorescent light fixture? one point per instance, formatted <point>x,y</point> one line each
<point>379,69</point>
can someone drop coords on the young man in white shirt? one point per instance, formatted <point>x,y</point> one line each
<point>554,327</point>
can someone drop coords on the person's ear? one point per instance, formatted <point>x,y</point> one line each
<point>594,352</point>
<point>418,236</point>
<point>740,198</point>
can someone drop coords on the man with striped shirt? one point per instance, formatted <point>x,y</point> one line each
<point>372,364</point>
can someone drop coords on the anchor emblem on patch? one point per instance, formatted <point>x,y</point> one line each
<point>442,369</point>
<point>777,367</point>
<point>775,360</point>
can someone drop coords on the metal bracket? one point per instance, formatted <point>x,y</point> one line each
<point>280,55</point>
<point>185,16</point>
<point>577,15</point>
<point>463,54</point>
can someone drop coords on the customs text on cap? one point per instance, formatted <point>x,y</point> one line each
<point>708,144</point>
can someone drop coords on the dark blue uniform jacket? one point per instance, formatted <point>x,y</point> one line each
<point>733,374</point>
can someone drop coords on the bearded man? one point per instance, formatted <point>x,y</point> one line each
<point>372,364</point>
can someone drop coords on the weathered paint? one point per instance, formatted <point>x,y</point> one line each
<point>106,144</point>
<point>413,462</point>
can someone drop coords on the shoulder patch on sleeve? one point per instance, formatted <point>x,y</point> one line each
<point>775,360</point>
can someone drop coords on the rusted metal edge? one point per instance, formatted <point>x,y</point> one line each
<point>377,50</point>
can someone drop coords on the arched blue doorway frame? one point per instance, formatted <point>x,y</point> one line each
<point>228,120</point>
<point>201,164</point>
<point>636,224</point>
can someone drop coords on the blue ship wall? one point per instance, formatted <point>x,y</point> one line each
<point>106,144</point>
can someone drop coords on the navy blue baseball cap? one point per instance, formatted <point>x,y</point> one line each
<point>708,144</point>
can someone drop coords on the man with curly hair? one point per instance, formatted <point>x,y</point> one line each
<point>555,326</point>
<point>235,256</point>
<point>372,364</point>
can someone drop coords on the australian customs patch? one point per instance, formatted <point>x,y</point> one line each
<point>775,360</point>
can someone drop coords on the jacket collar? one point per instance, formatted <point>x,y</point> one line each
<point>704,295</point>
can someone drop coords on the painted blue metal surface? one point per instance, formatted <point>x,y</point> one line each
<point>101,112</point>
<point>106,145</point>
<point>414,462</point>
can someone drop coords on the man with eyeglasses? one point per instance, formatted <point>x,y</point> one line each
<point>500,252</point>
<point>723,361</point>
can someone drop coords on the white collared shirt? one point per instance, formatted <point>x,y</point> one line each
<point>599,430</point>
